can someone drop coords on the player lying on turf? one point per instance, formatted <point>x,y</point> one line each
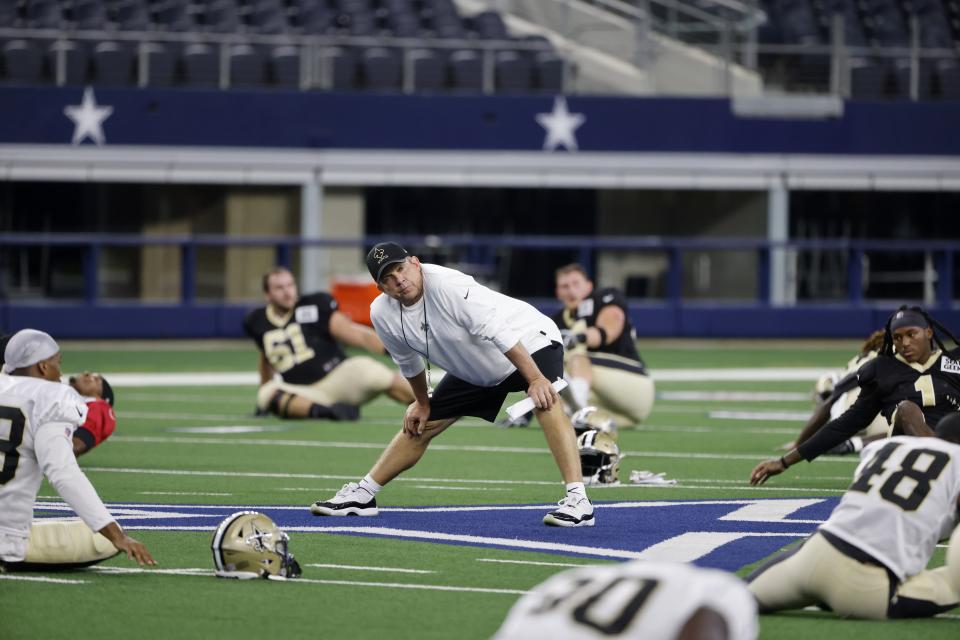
<point>869,559</point>
<point>639,600</point>
<point>914,382</point>
<point>101,421</point>
<point>837,393</point>
<point>299,339</point>
<point>601,362</point>
<point>40,414</point>
<point>489,344</point>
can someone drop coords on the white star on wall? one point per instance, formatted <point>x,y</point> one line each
<point>561,126</point>
<point>88,118</point>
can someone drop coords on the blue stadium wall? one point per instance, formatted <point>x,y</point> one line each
<point>329,121</point>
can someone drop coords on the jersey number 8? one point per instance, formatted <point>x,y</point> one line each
<point>10,438</point>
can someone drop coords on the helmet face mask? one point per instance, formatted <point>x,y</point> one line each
<point>599,458</point>
<point>594,418</point>
<point>249,545</point>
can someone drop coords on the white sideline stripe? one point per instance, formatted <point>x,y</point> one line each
<point>798,416</point>
<point>7,576</point>
<point>254,442</point>
<point>531,562</point>
<point>252,378</point>
<point>181,493</point>
<point>207,573</point>
<point>309,476</point>
<point>441,488</point>
<point>735,396</point>
<point>353,567</point>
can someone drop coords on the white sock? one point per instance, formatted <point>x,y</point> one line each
<point>580,392</point>
<point>576,487</point>
<point>370,485</point>
<point>857,443</point>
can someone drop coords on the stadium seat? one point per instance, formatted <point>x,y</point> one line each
<point>23,61</point>
<point>405,24</point>
<point>549,72</point>
<point>222,16</point>
<point>132,15</point>
<point>285,66</point>
<point>466,71</point>
<point>355,6</point>
<point>489,26</point>
<point>340,68</point>
<point>44,14</point>
<point>161,64</point>
<point>113,64</point>
<point>201,65</point>
<point>429,70</point>
<point>269,16</point>
<point>381,69</point>
<point>9,16</point>
<point>450,26</point>
<point>75,61</point>
<point>868,81</point>
<point>316,18</point>
<point>89,14</point>
<point>175,15</point>
<point>512,72</point>
<point>247,66</point>
<point>362,24</point>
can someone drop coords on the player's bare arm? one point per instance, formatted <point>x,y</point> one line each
<point>349,332</point>
<point>611,320</point>
<point>134,549</point>
<point>416,416</point>
<point>540,389</point>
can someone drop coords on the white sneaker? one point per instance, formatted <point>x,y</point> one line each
<point>574,510</point>
<point>351,500</point>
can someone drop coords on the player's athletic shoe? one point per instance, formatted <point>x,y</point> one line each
<point>351,500</point>
<point>574,510</point>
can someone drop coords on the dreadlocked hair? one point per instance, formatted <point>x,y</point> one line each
<point>887,348</point>
<point>873,343</point>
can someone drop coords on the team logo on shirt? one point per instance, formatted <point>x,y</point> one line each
<point>950,366</point>
<point>309,313</point>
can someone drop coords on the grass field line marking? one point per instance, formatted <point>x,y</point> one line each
<point>309,476</point>
<point>7,576</point>
<point>353,583</point>
<point>786,416</point>
<point>255,442</point>
<point>442,488</point>
<point>181,493</point>
<point>354,567</point>
<point>533,563</point>
<point>252,378</point>
<point>735,396</point>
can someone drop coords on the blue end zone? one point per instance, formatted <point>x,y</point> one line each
<point>681,531</point>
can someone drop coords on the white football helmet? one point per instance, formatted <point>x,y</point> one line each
<point>599,458</point>
<point>594,418</point>
<point>249,545</point>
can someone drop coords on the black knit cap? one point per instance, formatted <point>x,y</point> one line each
<point>382,255</point>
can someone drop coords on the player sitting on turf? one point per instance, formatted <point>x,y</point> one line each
<point>601,363</point>
<point>869,559</point>
<point>101,420</point>
<point>912,383</point>
<point>38,414</point>
<point>837,393</point>
<point>639,600</point>
<point>298,338</point>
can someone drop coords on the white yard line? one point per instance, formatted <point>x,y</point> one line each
<point>252,378</point>
<point>735,396</point>
<point>8,576</point>
<point>532,563</point>
<point>353,567</point>
<point>181,493</point>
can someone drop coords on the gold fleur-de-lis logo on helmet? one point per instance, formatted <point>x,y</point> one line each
<point>379,255</point>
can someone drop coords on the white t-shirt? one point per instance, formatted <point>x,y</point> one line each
<point>902,502</point>
<point>639,600</point>
<point>37,421</point>
<point>462,326</point>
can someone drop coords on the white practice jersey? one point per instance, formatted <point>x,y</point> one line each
<point>902,502</point>
<point>638,600</point>
<point>37,421</point>
<point>463,326</point>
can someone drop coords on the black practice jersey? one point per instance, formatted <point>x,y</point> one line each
<point>298,345</point>
<point>588,310</point>
<point>887,381</point>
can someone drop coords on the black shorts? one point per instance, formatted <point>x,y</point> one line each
<point>454,397</point>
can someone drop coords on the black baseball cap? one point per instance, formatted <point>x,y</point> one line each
<point>382,255</point>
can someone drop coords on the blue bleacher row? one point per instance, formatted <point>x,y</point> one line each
<point>399,18</point>
<point>345,68</point>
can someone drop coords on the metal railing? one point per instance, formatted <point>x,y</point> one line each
<point>937,277</point>
<point>314,51</point>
